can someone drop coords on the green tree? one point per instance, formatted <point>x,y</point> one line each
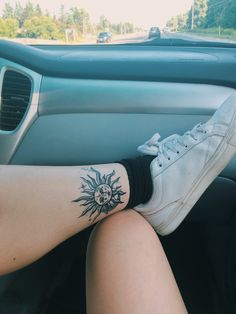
<point>63,18</point>
<point>8,11</point>
<point>221,13</point>
<point>29,11</point>
<point>22,13</point>
<point>62,21</point>
<point>173,23</point>
<point>196,16</point>
<point>12,26</point>
<point>18,13</point>
<point>118,28</point>
<point>229,14</point>
<point>200,12</point>
<point>85,25</point>
<point>129,28</point>
<point>104,24</point>
<point>215,12</point>
<point>79,18</point>
<point>38,10</point>
<point>2,27</point>
<point>41,27</point>
<point>182,21</point>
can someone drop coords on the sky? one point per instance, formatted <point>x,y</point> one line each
<point>144,13</point>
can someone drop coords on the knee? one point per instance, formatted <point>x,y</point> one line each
<point>123,229</point>
<point>124,224</point>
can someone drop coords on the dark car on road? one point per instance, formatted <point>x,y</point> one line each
<point>104,37</point>
<point>154,32</point>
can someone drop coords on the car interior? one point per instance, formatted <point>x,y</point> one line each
<point>88,104</point>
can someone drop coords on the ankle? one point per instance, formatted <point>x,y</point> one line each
<point>140,179</point>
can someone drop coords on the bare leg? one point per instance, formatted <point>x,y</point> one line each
<point>127,270</point>
<point>42,206</point>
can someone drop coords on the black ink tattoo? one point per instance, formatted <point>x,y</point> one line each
<point>100,194</point>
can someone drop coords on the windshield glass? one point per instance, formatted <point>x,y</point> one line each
<point>82,22</point>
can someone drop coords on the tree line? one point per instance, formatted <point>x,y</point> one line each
<point>32,22</point>
<point>205,14</point>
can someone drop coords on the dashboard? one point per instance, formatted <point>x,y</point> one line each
<point>70,105</point>
<point>76,90</point>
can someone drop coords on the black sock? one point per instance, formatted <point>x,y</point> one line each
<point>140,179</point>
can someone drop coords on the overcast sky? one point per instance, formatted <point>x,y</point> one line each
<point>143,13</point>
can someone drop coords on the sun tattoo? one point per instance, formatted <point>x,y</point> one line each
<point>100,194</point>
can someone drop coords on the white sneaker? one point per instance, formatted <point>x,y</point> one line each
<point>186,165</point>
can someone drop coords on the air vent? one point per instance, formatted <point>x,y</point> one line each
<point>16,90</point>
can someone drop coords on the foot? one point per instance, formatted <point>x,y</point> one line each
<point>186,165</point>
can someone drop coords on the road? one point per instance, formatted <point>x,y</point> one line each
<point>132,38</point>
<point>125,39</point>
<point>196,37</point>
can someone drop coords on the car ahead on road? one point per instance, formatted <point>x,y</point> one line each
<point>104,37</point>
<point>154,32</point>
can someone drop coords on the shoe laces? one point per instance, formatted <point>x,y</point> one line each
<point>172,145</point>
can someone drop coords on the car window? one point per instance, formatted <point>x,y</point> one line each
<point>73,22</point>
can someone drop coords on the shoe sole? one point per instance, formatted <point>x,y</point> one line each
<point>225,153</point>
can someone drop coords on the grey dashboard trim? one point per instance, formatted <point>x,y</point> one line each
<point>91,138</point>
<point>208,65</point>
<point>61,96</point>
<point>9,140</point>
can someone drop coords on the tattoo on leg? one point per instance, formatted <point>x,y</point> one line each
<point>100,194</point>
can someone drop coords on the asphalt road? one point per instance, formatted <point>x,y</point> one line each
<point>130,38</point>
<point>125,39</point>
<point>196,37</point>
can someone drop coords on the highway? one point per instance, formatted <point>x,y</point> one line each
<point>131,38</point>
<point>196,37</point>
<point>125,39</point>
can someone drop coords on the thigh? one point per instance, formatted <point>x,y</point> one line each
<point>127,270</point>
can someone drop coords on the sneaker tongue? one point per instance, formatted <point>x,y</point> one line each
<point>151,147</point>
<point>153,140</point>
<point>148,150</point>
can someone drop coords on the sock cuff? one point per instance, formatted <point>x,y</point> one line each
<point>140,179</point>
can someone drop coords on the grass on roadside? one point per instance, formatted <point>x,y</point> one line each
<point>225,33</point>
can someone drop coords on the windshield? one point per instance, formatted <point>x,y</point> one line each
<point>82,22</point>
<point>102,34</point>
